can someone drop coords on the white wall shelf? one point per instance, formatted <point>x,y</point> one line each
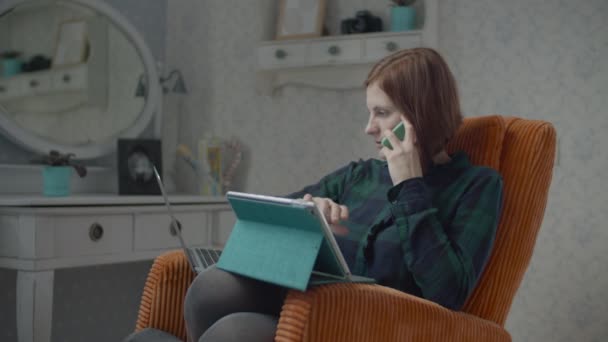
<point>337,62</point>
<point>88,78</point>
<point>57,80</point>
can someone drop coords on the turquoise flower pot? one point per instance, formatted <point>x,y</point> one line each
<point>10,67</point>
<point>403,18</point>
<point>56,180</point>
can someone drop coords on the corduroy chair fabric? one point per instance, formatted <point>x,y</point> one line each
<point>522,150</point>
<point>363,312</point>
<point>162,303</point>
<point>526,166</point>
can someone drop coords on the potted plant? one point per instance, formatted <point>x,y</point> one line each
<point>11,64</point>
<point>403,15</point>
<point>57,174</point>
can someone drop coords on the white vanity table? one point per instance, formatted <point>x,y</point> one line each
<point>39,235</point>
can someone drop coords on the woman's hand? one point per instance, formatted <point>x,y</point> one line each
<point>403,160</point>
<point>333,212</point>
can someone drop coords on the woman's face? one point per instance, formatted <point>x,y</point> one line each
<point>383,114</point>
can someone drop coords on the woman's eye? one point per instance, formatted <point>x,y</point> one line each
<point>382,113</point>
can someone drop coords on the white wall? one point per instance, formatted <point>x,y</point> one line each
<point>547,60</point>
<point>543,59</point>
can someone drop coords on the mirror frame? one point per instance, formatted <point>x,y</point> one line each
<point>152,105</point>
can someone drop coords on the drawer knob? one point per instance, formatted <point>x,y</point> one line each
<point>66,78</point>
<point>391,46</point>
<point>95,232</point>
<point>33,83</point>
<point>172,230</point>
<point>280,54</point>
<point>334,50</point>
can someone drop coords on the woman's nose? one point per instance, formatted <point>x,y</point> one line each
<point>371,127</point>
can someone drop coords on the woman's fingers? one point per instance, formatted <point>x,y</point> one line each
<point>404,160</point>
<point>410,134</point>
<point>324,207</point>
<point>332,211</point>
<point>343,212</point>
<point>339,229</point>
<point>335,212</point>
<point>394,143</point>
<point>392,138</point>
<point>339,212</point>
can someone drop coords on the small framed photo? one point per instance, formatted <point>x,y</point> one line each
<point>300,19</point>
<point>71,43</point>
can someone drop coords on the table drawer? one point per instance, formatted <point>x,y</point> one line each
<point>69,79</point>
<point>376,48</point>
<point>92,235</point>
<point>152,231</point>
<point>276,56</point>
<point>9,236</point>
<point>11,88</point>
<point>37,84</point>
<point>335,51</point>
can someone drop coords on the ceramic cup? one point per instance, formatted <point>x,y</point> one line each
<point>403,18</point>
<point>56,180</point>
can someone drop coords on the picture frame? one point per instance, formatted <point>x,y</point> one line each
<point>136,157</point>
<point>71,44</point>
<point>300,19</point>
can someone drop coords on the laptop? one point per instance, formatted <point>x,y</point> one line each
<point>283,241</point>
<point>198,258</point>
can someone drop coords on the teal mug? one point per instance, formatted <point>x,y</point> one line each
<point>403,18</point>
<point>56,180</point>
<point>11,66</point>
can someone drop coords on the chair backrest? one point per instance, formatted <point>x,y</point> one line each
<point>523,151</point>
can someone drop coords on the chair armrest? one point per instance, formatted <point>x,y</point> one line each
<point>364,312</point>
<point>162,302</point>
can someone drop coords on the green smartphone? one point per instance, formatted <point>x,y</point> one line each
<point>399,131</point>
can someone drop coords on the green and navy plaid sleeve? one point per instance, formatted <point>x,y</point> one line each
<point>446,260</point>
<point>331,186</point>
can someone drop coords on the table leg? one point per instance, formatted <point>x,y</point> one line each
<point>34,306</point>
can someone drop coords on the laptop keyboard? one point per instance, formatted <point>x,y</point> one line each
<point>204,257</point>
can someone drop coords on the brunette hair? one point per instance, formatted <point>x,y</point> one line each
<point>422,87</point>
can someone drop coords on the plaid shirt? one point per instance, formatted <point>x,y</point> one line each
<point>429,236</point>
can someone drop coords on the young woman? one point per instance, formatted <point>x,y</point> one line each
<point>417,219</point>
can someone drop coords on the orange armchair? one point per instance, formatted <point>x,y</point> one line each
<point>522,150</point>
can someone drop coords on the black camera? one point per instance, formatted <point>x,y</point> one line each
<point>363,22</point>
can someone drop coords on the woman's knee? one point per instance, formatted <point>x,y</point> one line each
<point>215,293</point>
<point>202,300</point>
<point>233,293</point>
<point>242,326</point>
<point>195,295</point>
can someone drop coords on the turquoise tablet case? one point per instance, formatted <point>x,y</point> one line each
<point>278,243</point>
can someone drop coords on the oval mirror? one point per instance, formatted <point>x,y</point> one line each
<point>74,77</point>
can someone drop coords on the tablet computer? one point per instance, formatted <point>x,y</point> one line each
<point>283,241</point>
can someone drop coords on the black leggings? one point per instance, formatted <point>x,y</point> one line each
<point>221,306</point>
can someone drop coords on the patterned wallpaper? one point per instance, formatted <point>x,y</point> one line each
<point>542,59</point>
<point>547,60</point>
<point>535,59</point>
